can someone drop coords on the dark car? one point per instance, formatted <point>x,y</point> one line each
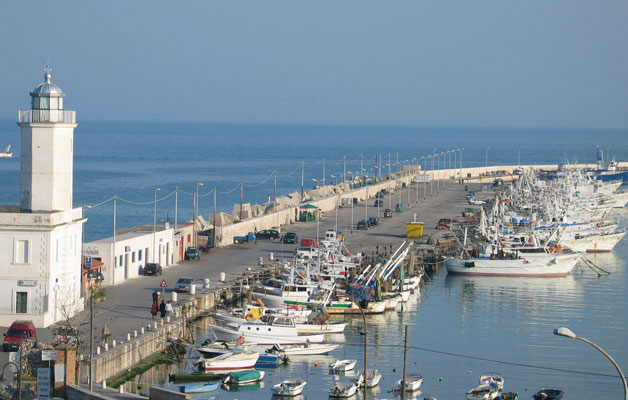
<point>378,203</point>
<point>380,194</point>
<point>271,234</point>
<point>152,269</point>
<point>373,221</point>
<point>363,225</point>
<point>192,254</point>
<point>290,237</point>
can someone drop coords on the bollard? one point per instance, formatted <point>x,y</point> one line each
<point>128,337</point>
<point>106,346</point>
<point>98,350</point>
<point>135,333</point>
<point>260,260</point>
<point>104,384</point>
<point>206,283</point>
<point>113,343</point>
<point>168,319</point>
<point>142,331</point>
<point>271,256</point>
<point>162,322</point>
<point>155,324</point>
<point>223,277</point>
<point>173,297</point>
<point>121,389</point>
<point>192,288</point>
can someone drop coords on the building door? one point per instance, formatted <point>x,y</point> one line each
<point>21,301</point>
<point>168,253</point>
<point>126,266</point>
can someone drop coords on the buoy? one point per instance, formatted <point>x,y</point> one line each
<point>440,378</point>
<point>316,364</point>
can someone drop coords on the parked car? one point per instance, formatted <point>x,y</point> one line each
<point>18,331</point>
<point>152,269</point>
<point>184,283</point>
<point>271,234</point>
<point>379,203</point>
<point>363,225</point>
<point>192,254</point>
<point>250,237</point>
<point>380,194</point>
<point>306,252</point>
<point>290,238</point>
<point>388,213</point>
<point>373,221</point>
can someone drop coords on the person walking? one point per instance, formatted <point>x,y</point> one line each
<point>169,308</point>
<point>105,335</point>
<point>154,309</point>
<point>162,309</point>
<point>155,297</point>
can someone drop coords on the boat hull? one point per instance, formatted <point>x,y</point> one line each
<point>253,337</point>
<point>550,266</point>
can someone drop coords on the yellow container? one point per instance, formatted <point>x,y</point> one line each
<point>414,229</point>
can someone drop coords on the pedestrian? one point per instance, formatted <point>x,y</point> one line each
<point>162,309</point>
<point>154,309</point>
<point>105,335</point>
<point>168,308</point>
<point>155,296</point>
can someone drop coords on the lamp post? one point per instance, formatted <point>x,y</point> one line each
<point>318,214</point>
<point>486,161</point>
<point>196,214</point>
<point>335,207</point>
<point>424,158</point>
<point>416,177</point>
<point>461,150</point>
<point>155,222</point>
<point>566,332</point>
<point>377,171</point>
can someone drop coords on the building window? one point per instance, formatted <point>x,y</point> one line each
<point>120,262</point>
<point>133,257</point>
<point>189,238</point>
<point>139,255</point>
<point>21,299</point>
<point>21,252</point>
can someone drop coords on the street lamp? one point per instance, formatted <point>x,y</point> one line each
<point>335,207</point>
<point>318,214</point>
<point>416,177</point>
<point>155,222</point>
<point>486,160</point>
<point>566,332</point>
<point>377,193</point>
<point>196,214</point>
<point>353,174</point>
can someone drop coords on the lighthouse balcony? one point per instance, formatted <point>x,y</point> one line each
<point>46,116</point>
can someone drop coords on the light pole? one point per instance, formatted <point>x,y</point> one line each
<point>196,214</point>
<point>461,150</point>
<point>486,161</point>
<point>318,214</point>
<point>352,179</point>
<point>566,332</point>
<point>438,157</point>
<point>155,222</point>
<point>377,193</point>
<point>335,207</point>
<point>416,177</point>
<point>424,158</point>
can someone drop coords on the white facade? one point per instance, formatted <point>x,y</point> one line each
<point>41,240</point>
<point>132,251</point>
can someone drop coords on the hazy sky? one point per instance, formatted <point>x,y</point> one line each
<point>454,63</point>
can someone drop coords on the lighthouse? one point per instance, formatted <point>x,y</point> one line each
<point>47,150</point>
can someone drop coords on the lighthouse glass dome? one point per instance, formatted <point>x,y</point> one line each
<point>47,95</point>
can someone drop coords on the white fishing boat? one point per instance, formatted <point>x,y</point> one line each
<point>483,392</point>
<point>343,390</point>
<point>327,328</point>
<point>308,349</point>
<point>228,362</point>
<point>281,330</point>
<point>413,384</point>
<point>289,387</point>
<point>6,152</point>
<point>373,377</point>
<point>342,366</point>
<point>551,265</point>
<point>594,243</point>
<point>491,377</point>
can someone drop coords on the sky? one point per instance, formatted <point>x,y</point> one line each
<point>558,63</point>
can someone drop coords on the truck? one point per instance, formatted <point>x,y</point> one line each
<point>250,237</point>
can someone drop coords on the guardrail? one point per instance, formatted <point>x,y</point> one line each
<point>61,116</point>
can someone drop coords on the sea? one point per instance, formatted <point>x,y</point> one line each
<point>459,327</point>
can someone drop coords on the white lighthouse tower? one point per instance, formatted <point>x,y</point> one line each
<point>41,239</point>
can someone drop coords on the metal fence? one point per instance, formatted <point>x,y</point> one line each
<point>62,116</point>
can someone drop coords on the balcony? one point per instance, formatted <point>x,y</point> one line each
<point>46,116</point>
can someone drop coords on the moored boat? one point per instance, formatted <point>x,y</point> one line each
<point>343,390</point>
<point>413,384</point>
<point>243,377</point>
<point>289,387</point>
<point>228,362</point>
<point>281,330</point>
<point>549,394</point>
<point>491,377</point>
<point>487,391</point>
<point>206,387</point>
<point>373,377</point>
<point>552,265</point>
<point>342,366</point>
<point>305,350</point>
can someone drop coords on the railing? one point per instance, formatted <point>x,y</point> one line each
<point>62,116</point>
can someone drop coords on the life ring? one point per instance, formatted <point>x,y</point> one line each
<point>240,340</point>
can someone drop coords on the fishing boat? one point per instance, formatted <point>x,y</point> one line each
<point>491,377</point>
<point>373,377</point>
<point>342,366</point>
<point>281,330</point>
<point>206,387</point>
<point>413,384</point>
<point>551,265</point>
<point>548,394</point>
<point>343,390</point>
<point>487,391</point>
<point>209,350</point>
<point>6,152</point>
<point>228,362</point>
<point>289,387</point>
<point>595,242</point>
<point>304,350</point>
<point>244,377</point>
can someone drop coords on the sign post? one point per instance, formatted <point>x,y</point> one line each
<point>163,287</point>
<point>88,261</point>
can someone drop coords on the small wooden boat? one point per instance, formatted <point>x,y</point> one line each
<point>507,396</point>
<point>373,377</point>
<point>491,377</point>
<point>342,366</point>
<point>343,390</point>
<point>192,378</point>
<point>413,384</point>
<point>228,362</point>
<point>243,377</point>
<point>306,350</point>
<point>487,391</point>
<point>207,387</point>
<point>289,387</point>
<point>549,394</point>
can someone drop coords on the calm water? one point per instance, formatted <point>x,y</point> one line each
<point>460,327</point>
<point>130,160</point>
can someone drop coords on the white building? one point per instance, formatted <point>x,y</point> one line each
<point>41,240</point>
<point>133,250</point>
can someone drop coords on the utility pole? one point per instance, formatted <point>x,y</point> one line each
<point>323,176</point>
<point>113,243</point>
<point>241,197</point>
<point>344,169</point>
<point>176,207</point>
<point>405,361</point>
<point>275,189</point>
<point>91,338</point>
<point>302,177</point>
<point>214,230</point>
<point>361,167</point>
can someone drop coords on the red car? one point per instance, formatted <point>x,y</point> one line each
<point>18,331</point>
